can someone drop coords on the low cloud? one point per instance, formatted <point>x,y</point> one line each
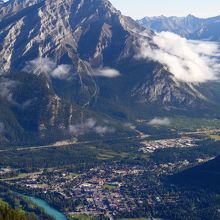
<point>159,122</point>
<point>2,127</point>
<point>82,128</point>
<point>101,130</point>
<point>27,103</point>
<point>49,67</point>
<point>7,86</point>
<point>89,125</point>
<point>189,61</point>
<point>6,92</point>
<point>61,72</point>
<point>106,72</point>
<point>129,125</point>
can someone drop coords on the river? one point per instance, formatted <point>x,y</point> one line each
<point>57,215</point>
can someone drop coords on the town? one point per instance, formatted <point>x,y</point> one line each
<point>184,142</point>
<point>115,188</point>
<point>108,190</point>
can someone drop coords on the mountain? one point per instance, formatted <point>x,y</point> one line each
<point>70,68</point>
<point>76,32</point>
<point>190,26</point>
<point>206,175</point>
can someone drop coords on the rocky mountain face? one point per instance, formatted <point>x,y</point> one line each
<point>162,90</point>
<point>30,111</point>
<point>69,31</point>
<point>71,67</point>
<point>190,26</point>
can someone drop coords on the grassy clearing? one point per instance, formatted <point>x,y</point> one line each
<point>194,123</point>
<point>82,217</point>
<point>136,219</point>
<point>215,137</point>
<point>110,187</point>
<point>73,175</point>
<point>19,176</point>
<point>106,154</point>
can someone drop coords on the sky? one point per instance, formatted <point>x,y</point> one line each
<point>141,8</point>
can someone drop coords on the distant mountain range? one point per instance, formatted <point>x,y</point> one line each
<point>190,26</point>
<point>71,68</point>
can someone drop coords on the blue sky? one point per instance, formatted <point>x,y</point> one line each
<point>141,8</point>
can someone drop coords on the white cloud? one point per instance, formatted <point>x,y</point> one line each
<point>26,103</point>
<point>106,72</point>
<point>49,67</point>
<point>2,127</point>
<point>159,122</point>
<point>129,125</point>
<point>101,130</point>
<point>89,125</point>
<point>189,61</point>
<point>40,65</point>
<point>7,86</point>
<point>82,128</point>
<point>61,72</point>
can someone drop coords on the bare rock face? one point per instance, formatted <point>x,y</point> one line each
<point>70,31</point>
<point>162,88</point>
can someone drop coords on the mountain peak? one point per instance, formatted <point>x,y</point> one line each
<point>191,16</point>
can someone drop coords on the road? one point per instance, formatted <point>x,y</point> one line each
<point>65,144</point>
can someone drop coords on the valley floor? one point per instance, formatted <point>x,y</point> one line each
<point>117,178</point>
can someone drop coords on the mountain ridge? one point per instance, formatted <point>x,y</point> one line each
<point>191,27</point>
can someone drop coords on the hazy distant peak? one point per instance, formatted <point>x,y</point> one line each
<point>190,26</point>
